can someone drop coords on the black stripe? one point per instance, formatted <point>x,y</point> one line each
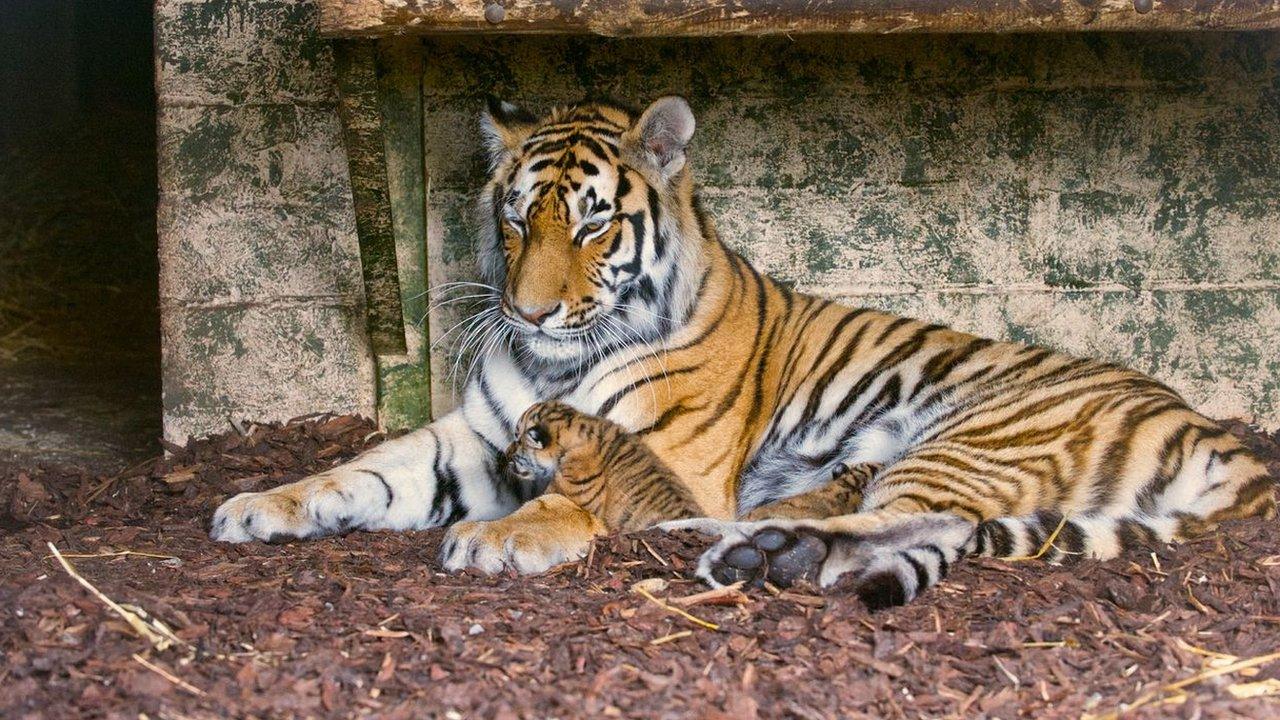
<point>1001,541</point>
<point>922,574</point>
<point>732,397</point>
<point>941,365</point>
<point>884,334</point>
<point>659,238</point>
<point>1071,540</point>
<point>891,360</point>
<point>391,496</point>
<point>491,403</point>
<point>820,386</point>
<point>615,398</point>
<point>1148,496</point>
<point>943,566</point>
<point>882,590</point>
<point>1116,456</point>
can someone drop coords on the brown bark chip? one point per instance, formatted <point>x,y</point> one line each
<point>368,625</point>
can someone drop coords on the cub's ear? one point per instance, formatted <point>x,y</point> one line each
<point>658,139</point>
<point>504,127</point>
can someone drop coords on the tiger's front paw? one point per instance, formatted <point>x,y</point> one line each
<point>544,532</point>
<point>310,508</point>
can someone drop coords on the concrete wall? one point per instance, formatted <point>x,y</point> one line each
<point>263,312</point>
<point>1114,195</point>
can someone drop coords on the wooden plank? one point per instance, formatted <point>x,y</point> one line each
<point>404,379</point>
<point>652,18</point>
<point>361,113</point>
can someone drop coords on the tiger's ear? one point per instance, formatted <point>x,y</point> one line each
<point>659,138</point>
<point>504,127</point>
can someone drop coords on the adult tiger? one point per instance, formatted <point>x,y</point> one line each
<point>616,296</point>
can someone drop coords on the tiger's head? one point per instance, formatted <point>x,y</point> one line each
<point>588,224</point>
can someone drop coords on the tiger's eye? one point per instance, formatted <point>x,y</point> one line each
<point>589,231</point>
<point>537,437</point>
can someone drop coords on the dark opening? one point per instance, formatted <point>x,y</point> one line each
<point>79,328</point>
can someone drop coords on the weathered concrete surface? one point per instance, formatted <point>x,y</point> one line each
<point>263,311</point>
<point>1111,195</point>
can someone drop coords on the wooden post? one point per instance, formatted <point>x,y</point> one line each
<point>371,18</point>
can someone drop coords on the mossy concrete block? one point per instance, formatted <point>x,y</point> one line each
<point>241,52</point>
<point>254,155</point>
<point>263,361</point>
<point>262,303</point>
<point>232,253</point>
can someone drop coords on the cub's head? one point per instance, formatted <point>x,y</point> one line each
<point>587,222</point>
<point>546,433</point>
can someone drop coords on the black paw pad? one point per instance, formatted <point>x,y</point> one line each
<point>728,575</point>
<point>772,554</point>
<point>882,590</point>
<point>802,560</point>
<point>744,557</point>
<point>771,540</point>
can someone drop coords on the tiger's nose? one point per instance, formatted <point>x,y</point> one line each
<point>537,315</point>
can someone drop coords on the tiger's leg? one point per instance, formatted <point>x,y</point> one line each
<point>841,496</point>
<point>874,547</point>
<point>922,518</point>
<point>559,525</point>
<point>435,476</point>
<point>546,531</point>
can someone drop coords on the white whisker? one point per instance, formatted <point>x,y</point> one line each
<point>464,321</point>
<point>475,336</point>
<point>474,300</point>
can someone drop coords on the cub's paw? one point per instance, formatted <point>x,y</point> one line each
<point>544,532</point>
<point>317,506</point>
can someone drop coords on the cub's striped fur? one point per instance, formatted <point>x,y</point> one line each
<point>609,290</point>
<point>598,465</point>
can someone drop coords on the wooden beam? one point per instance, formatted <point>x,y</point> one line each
<point>653,18</point>
<point>361,114</point>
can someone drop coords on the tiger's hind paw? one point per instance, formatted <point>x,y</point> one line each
<point>884,565</point>
<point>779,554</point>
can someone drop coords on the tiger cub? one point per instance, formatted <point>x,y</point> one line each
<point>598,465</point>
<point>612,474</point>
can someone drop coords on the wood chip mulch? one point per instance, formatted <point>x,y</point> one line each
<point>368,625</point>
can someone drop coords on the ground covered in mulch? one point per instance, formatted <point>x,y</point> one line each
<point>368,625</point>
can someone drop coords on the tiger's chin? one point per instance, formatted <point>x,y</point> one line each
<point>555,350</point>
